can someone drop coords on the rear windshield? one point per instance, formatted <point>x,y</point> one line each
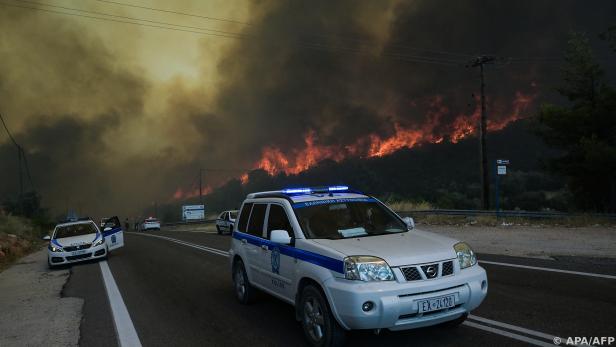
<point>151,220</point>
<point>75,230</point>
<point>346,218</point>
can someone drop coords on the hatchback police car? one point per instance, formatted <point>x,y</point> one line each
<point>82,240</point>
<point>346,261</point>
<point>225,221</point>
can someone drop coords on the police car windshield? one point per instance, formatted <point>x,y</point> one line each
<point>75,230</point>
<point>346,218</point>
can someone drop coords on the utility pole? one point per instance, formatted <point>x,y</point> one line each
<point>201,186</point>
<point>480,61</point>
<point>21,181</point>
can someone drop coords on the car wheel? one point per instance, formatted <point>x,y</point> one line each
<point>320,326</point>
<point>456,322</point>
<point>218,230</point>
<point>51,267</point>
<point>243,290</point>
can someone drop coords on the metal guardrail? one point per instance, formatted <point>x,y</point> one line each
<point>510,213</point>
<point>466,213</point>
<point>205,221</point>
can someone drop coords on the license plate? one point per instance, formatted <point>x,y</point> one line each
<point>435,304</point>
<point>78,252</point>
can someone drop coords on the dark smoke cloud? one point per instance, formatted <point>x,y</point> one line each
<point>81,108</point>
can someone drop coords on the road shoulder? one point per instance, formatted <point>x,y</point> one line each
<point>32,309</point>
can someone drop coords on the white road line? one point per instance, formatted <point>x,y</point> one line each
<point>590,274</point>
<point>127,335</point>
<point>509,334</point>
<point>193,245</point>
<point>513,327</point>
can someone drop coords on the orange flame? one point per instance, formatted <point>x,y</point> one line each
<point>274,160</point>
<point>181,194</point>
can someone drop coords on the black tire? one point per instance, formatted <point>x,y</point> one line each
<point>244,291</point>
<point>51,267</point>
<point>218,230</point>
<point>230,228</point>
<point>456,322</point>
<point>320,327</point>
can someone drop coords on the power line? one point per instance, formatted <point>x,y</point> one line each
<point>130,18</point>
<point>116,20</point>
<point>428,60</point>
<point>8,132</point>
<point>174,12</point>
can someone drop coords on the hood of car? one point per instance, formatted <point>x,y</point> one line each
<point>413,247</point>
<point>76,240</point>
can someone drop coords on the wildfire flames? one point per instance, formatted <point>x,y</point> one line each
<point>181,194</point>
<point>274,160</point>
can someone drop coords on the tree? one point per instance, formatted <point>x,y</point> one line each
<point>584,130</point>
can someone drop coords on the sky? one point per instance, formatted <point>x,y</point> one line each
<point>115,117</point>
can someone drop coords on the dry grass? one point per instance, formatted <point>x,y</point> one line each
<point>581,221</point>
<point>410,205</point>
<point>18,237</point>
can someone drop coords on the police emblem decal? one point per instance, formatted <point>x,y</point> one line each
<point>275,260</point>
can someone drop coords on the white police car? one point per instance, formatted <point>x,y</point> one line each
<point>82,240</point>
<point>346,261</point>
<point>150,223</point>
<point>225,221</point>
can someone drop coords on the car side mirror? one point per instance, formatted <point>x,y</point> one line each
<point>410,223</point>
<point>47,238</point>
<point>280,236</point>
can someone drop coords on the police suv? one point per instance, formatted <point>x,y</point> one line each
<point>346,261</point>
<point>81,240</point>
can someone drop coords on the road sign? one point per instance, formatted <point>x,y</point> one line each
<point>502,161</point>
<point>501,170</point>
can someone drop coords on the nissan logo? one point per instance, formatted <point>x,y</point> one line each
<point>431,271</point>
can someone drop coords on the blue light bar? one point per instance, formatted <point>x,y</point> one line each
<point>315,190</point>
<point>337,188</point>
<point>296,190</point>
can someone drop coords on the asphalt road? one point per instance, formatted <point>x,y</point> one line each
<point>178,295</point>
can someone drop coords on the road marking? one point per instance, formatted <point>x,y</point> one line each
<point>512,327</point>
<point>508,334</point>
<point>125,330</point>
<point>590,274</point>
<point>467,323</point>
<point>193,245</point>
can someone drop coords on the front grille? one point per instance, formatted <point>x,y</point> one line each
<point>99,252</point>
<point>447,268</point>
<point>77,248</point>
<point>411,273</point>
<point>81,256</point>
<point>430,270</point>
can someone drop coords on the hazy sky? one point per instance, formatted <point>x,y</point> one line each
<point>115,116</point>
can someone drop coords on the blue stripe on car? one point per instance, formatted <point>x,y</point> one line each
<point>112,231</point>
<point>307,256</point>
<point>331,201</point>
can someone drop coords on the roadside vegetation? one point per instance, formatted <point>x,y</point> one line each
<point>18,237</point>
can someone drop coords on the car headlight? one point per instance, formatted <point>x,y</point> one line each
<point>465,254</point>
<point>367,268</point>
<point>54,248</point>
<point>98,242</point>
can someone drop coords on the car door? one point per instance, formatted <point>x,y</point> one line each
<point>113,233</point>
<point>229,222</point>
<point>252,241</point>
<point>279,265</point>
